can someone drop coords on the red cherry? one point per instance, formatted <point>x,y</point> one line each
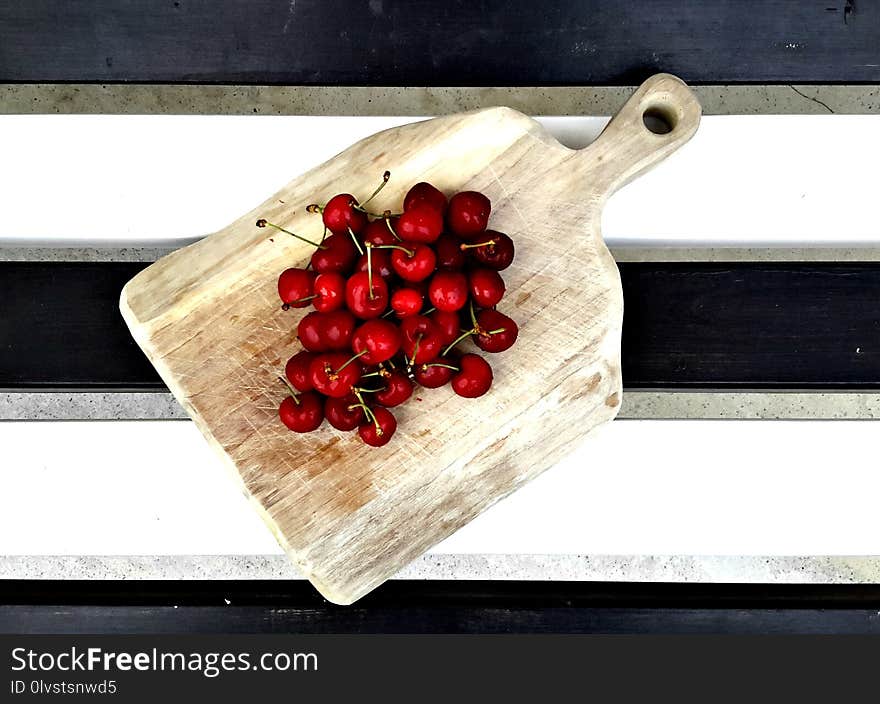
<point>310,332</point>
<point>425,193</point>
<point>297,370</point>
<point>422,223</point>
<point>379,340</point>
<point>304,414</point>
<point>417,266</point>
<point>420,337</point>
<point>380,261</point>
<point>435,374</point>
<point>357,295</point>
<point>339,215</point>
<point>449,254</point>
<point>473,378</point>
<point>487,287</point>
<point>377,232</point>
<point>412,263</point>
<point>295,286</point>
<point>378,433</point>
<point>468,214</point>
<point>496,252</point>
<point>448,290</point>
<point>406,301</point>
<point>334,374</point>
<point>330,292</point>
<point>342,413</point>
<point>336,329</point>
<point>448,323</point>
<point>398,388</point>
<point>491,321</point>
<point>337,254</point>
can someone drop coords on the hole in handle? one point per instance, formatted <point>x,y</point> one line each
<point>659,119</point>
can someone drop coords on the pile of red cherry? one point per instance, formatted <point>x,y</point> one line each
<point>393,298</point>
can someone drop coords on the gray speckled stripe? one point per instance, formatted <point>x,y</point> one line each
<point>135,253</point>
<point>628,568</point>
<point>746,254</point>
<point>637,405</point>
<point>750,405</point>
<point>64,405</point>
<point>134,99</point>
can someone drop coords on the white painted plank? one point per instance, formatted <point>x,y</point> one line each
<point>756,180</point>
<point>637,487</point>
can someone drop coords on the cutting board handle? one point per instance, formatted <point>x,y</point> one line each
<point>660,117</point>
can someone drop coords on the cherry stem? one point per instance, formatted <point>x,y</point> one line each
<point>355,240</point>
<point>287,306</point>
<point>456,341</point>
<point>438,364</point>
<point>367,410</point>
<point>465,245</point>
<point>359,354</point>
<point>385,214</point>
<point>385,177</point>
<point>429,311</point>
<point>293,393</point>
<point>496,332</point>
<point>473,315</point>
<point>370,270</point>
<point>366,376</point>
<point>359,405</point>
<point>415,350</point>
<point>409,252</point>
<point>369,413</point>
<point>262,222</point>
<point>391,229</point>
<point>366,391</point>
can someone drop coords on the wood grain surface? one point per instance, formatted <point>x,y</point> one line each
<point>350,515</point>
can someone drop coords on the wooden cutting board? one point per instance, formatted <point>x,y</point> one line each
<point>350,516</point>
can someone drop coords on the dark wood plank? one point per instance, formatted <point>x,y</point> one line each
<point>780,325</point>
<point>437,607</point>
<point>60,328</point>
<point>60,619</point>
<point>418,42</point>
<point>686,325</point>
